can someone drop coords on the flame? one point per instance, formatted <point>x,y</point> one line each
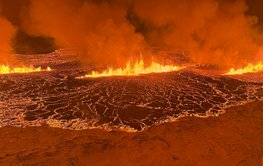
<point>248,69</point>
<point>4,69</point>
<point>133,70</point>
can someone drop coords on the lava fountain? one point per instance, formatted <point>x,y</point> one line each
<point>4,69</point>
<point>136,69</point>
<point>251,68</point>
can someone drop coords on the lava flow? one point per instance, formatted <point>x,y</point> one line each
<point>248,69</point>
<point>133,70</point>
<point>4,69</point>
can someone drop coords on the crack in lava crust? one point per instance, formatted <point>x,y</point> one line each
<point>119,103</point>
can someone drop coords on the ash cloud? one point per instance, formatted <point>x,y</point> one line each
<point>111,32</point>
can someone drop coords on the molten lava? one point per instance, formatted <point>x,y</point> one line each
<point>133,70</point>
<point>9,70</point>
<point>248,69</point>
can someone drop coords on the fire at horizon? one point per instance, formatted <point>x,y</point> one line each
<point>250,68</point>
<point>133,70</point>
<point>4,69</point>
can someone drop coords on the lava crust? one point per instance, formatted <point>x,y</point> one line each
<point>135,103</point>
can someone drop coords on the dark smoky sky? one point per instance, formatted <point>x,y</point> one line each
<point>110,32</point>
<point>256,8</point>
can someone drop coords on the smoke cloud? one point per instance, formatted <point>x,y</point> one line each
<point>213,31</point>
<point>111,32</point>
<point>100,29</point>
<point>7,32</point>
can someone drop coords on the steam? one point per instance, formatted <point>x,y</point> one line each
<point>111,32</point>
<point>7,31</point>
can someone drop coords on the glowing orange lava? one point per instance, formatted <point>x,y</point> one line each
<point>248,69</point>
<point>4,69</point>
<point>133,70</point>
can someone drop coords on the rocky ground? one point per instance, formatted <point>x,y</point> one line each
<point>234,138</point>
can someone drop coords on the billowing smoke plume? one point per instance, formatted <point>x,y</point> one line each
<point>7,32</point>
<point>213,31</point>
<point>99,28</point>
<point>113,31</point>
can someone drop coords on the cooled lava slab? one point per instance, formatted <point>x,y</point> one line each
<point>132,103</point>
